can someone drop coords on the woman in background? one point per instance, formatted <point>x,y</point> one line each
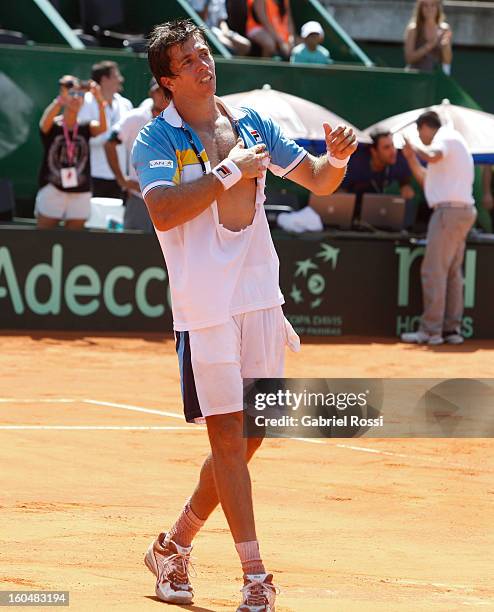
<point>64,177</point>
<point>428,38</point>
<point>270,25</point>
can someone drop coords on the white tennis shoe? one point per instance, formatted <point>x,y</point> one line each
<point>421,337</point>
<point>453,338</point>
<point>258,593</point>
<point>170,563</point>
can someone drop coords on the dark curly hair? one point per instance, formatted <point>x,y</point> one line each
<point>162,38</point>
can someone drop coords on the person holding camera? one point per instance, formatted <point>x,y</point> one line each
<point>65,173</point>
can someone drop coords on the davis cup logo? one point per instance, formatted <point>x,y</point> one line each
<point>309,281</point>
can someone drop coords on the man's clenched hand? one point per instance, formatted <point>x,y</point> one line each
<point>251,162</point>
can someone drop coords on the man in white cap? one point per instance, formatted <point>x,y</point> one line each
<point>311,51</point>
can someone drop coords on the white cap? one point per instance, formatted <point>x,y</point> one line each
<point>311,27</point>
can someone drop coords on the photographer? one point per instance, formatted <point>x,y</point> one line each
<point>65,173</point>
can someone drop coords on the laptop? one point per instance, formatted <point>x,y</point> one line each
<point>335,210</point>
<point>279,201</point>
<point>383,211</point>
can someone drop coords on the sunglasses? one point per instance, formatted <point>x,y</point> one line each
<point>76,94</point>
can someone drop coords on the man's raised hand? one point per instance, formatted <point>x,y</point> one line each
<point>340,142</point>
<point>408,151</point>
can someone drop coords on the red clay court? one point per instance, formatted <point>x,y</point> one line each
<point>97,458</point>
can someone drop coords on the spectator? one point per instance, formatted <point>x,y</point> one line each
<point>125,132</point>
<point>428,38</point>
<point>447,181</point>
<point>378,168</point>
<point>373,169</point>
<point>214,14</point>
<point>270,25</point>
<point>66,83</point>
<point>65,174</point>
<point>107,75</point>
<point>310,51</point>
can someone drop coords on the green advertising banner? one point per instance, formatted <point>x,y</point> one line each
<point>334,284</point>
<point>368,286</point>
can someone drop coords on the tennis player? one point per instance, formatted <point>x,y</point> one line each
<point>202,169</point>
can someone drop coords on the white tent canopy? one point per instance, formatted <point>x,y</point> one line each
<point>476,127</point>
<point>299,119</point>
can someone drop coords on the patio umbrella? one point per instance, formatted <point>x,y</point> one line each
<point>476,127</point>
<point>299,119</point>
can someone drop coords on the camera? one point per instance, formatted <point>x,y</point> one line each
<point>66,83</point>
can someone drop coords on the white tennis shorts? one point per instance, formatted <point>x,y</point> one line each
<point>214,361</point>
<point>56,204</point>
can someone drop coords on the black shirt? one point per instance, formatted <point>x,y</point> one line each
<point>55,157</point>
<point>361,178</point>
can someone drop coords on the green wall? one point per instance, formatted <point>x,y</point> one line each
<point>38,20</point>
<point>472,68</point>
<point>361,95</point>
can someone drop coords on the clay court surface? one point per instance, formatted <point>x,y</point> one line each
<point>345,525</point>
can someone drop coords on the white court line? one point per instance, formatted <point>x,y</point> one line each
<point>439,585</point>
<point>62,400</point>
<point>364,449</point>
<point>423,459</point>
<point>173,415</point>
<point>44,400</point>
<point>93,402</point>
<point>104,427</point>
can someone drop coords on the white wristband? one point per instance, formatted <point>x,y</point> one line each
<point>337,163</point>
<point>227,172</point>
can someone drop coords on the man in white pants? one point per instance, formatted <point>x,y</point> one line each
<point>447,183</point>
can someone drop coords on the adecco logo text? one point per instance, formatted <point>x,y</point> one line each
<point>81,281</point>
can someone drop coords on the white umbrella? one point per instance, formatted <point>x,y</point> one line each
<point>298,118</point>
<point>476,127</point>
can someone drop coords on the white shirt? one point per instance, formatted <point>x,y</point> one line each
<point>119,107</point>
<point>129,127</point>
<point>451,178</point>
<point>214,273</point>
